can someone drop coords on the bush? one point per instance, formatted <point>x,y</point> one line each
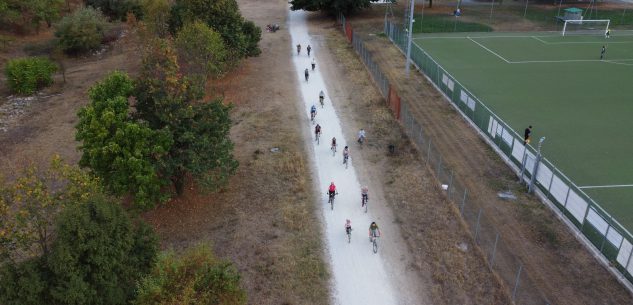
<point>82,31</point>
<point>201,50</point>
<point>26,75</point>
<point>117,9</point>
<point>197,277</point>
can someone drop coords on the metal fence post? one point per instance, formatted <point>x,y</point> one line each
<point>450,183</point>
<point>461,208</point>
<point>516,283</point>
<point>523,162</point>
<point>477,226</point>
<point>439,169</point>
<point>494,251</point>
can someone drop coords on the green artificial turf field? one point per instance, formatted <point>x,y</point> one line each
<point>583,105</point>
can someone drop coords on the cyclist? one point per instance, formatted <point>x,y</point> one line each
<point>298,49</point>
<point>317,131</point>
<point>334,144</point>
<point>309,48</point>
<point>348,226</point>
<point>374,231</point>
<point>361,136</point>
<point>332,190</point>
<point>364,192</point>
<point>307,74</point>
<point>345,154</point>
<point>321,98</point>
<point>312,113</point>
<point>313,64</point>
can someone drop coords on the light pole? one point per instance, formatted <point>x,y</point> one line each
<point>536,164</point>
<point>410,33</point>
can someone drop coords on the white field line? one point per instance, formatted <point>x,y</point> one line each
<point>492,52</point>
<point>613,61</point>
<point>359,276</point>
<point>604,186</point>
<point>541,40</point>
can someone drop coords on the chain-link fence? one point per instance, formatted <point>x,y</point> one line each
<point>516,15</point>
<point>608,236</point>
<point>498,255</point>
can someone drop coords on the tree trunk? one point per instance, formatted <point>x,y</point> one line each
<point>179,181</point>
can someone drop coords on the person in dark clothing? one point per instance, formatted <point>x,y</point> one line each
<point>602,52</point>
<point>526,135</point>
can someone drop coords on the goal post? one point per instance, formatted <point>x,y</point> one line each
<point>586,27</point>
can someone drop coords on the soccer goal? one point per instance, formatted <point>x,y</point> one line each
<point>586,27</point>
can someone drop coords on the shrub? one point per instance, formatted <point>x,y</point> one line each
<point>117,9</point>
<point>196,277</point>
<point>82,31</point>
<point>201,50</point>
<point>26,75</point>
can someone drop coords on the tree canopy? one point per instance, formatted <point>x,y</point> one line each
<point>330,6</point>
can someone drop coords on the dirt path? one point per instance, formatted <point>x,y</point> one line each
<point>548,250</point>
<point>359,276</point>
<point>430,247</point>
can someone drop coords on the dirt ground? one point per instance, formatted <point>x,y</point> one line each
<point>547,248</point>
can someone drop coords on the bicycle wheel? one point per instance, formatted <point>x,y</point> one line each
<point>365,204</point>
<point>332,204</point>
<point>375,245</point>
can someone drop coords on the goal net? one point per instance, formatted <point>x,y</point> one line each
<point>585,27</point>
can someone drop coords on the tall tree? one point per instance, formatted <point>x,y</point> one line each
<point>200,130</point>
<point>122,151</point>
<point>330,6</point>
<point>240,36</point>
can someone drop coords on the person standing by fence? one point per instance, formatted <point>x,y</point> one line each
<point>526,135</point>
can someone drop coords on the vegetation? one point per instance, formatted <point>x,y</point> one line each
<point>240,36</point>
<point>330,6</point>
<point>29,74</point>
<point>196,277</point>
<point>95,255</point>
<point>81,31</point>
<point>116,147</point>
<point>201,50</point>
<point>26,15</point>
<point>118,9</point>
<point>170,137</point>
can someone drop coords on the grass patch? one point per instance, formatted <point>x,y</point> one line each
<point>443,23</point>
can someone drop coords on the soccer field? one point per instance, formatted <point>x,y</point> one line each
<point>583,105</point>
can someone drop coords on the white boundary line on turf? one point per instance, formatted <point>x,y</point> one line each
<point>541,40</point>
<point>481,45</point>
<point>604,186</point>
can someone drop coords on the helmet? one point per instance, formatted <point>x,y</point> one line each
<point>347,221</point>
<point>346,146</point>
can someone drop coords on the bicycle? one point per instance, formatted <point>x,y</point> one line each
<point>318,136</point>
<point>333,148</point>
<point>331,199</point>
<point>321,99</point>
<point>360,141</point>
<point>312,116</point>
<point>364,201</point>
<point>345,159</point>
<point>307,74</point>
<point>298,49</point>
<point>374,241</point>
<point>309,49</point>
<point>348,231</point>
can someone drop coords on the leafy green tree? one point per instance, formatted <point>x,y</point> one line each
<point>29,206</point>
<point>26,15</point>
<point>99,254</point>
<point>240,36</point>
<point>330,6</point>
<point>29,74</point>
<point>81,31</point>
<point>156,16</point>
<point>117,148</point>
<point>201,50</point>
<point>200,131</point>
<point>196,277</point>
